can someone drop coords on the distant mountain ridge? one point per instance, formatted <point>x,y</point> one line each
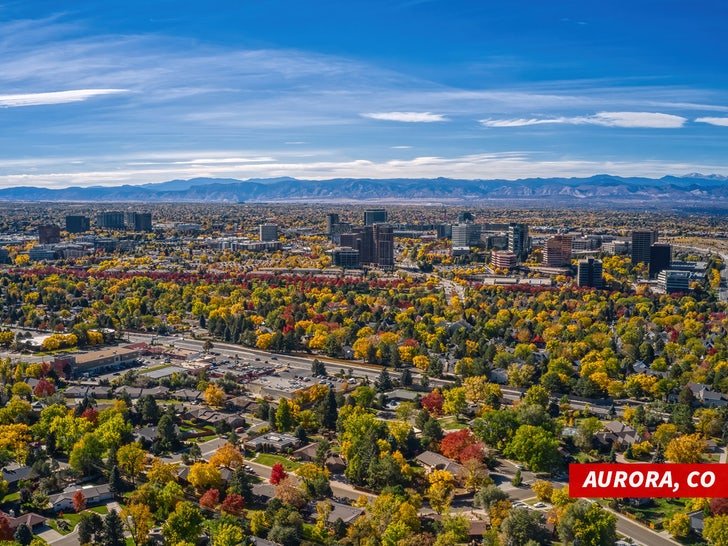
<point>689,190</point>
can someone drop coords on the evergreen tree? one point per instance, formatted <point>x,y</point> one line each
<point>240,484</point>
<point>115,482</point>
<point>406,379</point>
<point>113,533</point>
<point>167,433</point>
<point>329,410</point>
<point>384,382</point>
<point>23,535</point>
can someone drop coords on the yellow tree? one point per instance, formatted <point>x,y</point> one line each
<point>204,476</point>
<point>131,459</point>
<point>228,455</point>
<point>686,449</point>
<point>441,490</point>
<point>137,519</point>
<point>214,396</point>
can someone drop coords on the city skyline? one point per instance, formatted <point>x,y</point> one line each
<point>133,93</point>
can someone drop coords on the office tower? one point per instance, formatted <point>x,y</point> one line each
<point>77,224</point>
<point>374,216</point>
<point>518,241</point>
<point>110,220</point>
<point>345,257</point>
<point>673,281</point>
<point>660,258</point>
<point>557,251</point>
<point>444,231</point>
<point>139,221</point>
<point>268,232</point>
<point>384,245</point>
<point>589,273</point>
<point>49,234</point>
<point>4,256</point>
<point>503,259</point>
<point>464,235</point>
<point>642,240</point>
<point>332,220</point>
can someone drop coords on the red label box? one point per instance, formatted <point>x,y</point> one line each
<point>637,480</point>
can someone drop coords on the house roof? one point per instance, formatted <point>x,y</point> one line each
<point>346,513</point>
<point>435,460</point>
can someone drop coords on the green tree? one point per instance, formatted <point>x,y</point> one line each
<point>86,455</point>
<point>587,524</point>
<point>284,416</point>
<point>113,532</point>
<point>715,530</point>
<point>536,447</point>
<point>522,526</point>
<point>183,524</point>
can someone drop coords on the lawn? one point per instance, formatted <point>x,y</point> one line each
<point>73,518</point>
<point>11,497</point>
<point>269,459</point>
<point>659,510</point>
<point>451,423</point>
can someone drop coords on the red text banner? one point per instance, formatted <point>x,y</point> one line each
<point>648,480</point>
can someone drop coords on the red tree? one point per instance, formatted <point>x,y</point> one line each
<point>79,501</point>
<point>433,402</point>
<point>277,474</point>
<point>719,506</point>
<point>91,415</point>
<point>6,533</point>
<point>233,504</point>
<point>461,445</point>
<point>44,388</point>
<point>210,498</point>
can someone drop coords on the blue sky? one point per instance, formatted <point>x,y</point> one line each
<point>136,91</point>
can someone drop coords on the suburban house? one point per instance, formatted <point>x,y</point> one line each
<point>618,434</point>
<point>272,442</point>
<point>707,396</point>
<point>344,512</point>
<point>15,473</point>
<point>94,494</point>
<point>434,461</point>
<point>306,453</point>
<point>31,519</point>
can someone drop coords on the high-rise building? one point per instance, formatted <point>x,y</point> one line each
<point>345,257</point>
<point>465,216</point>
<point>465,235</point>
<point>384,245</point>
<point>139,221</point>
<point>332,220</point>
<point>557,251</point>
<point>375,216</point>
<point>503,259</point>
<point>49,234</point>
<point>4,256</point>
<point>642,240</point>
<point>444,231</point>
<point>660,258</point>
<point>110,220</point>
<point>518,240</point>
<point>589,273</point>
<point>268,232</point>
<point>77,223</point>
<point>673,281</point>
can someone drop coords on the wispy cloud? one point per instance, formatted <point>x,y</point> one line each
<point>643,120</point>
<point>503,165</point>
<point>407,117</point>
<point>721,122</point>
<point>54,97</point>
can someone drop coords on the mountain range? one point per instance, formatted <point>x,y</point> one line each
<point>690,190</point>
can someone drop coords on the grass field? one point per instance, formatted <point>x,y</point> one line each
<point>269,459</point>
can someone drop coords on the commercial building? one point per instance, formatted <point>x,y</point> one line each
<point>103,360</point>
<point>332,220</point>
<point>466,235</point>
<point>503,259</point>
<point>383,245</point>
<point>518,240</point>
<point>589,273</point>
<point>42,253</point>
<point>617,247</point>
<point>268,232</point>
<point>642,241</point>
<point>77,223</point>
<point>345,257</point>
<point>139,221</point>
<point>672,281</point>
<point>375,244</point>
<point>557,251</point>
<point>111,220</point>
<point>4,256</point>
<point>375,216</point>
<point>49,234</point>
<point>660,258</point>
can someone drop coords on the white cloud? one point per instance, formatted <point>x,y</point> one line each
<point>401,147</point>
<point>503,165</point>
<point>407,117</point>
<point>721,122</point>
<point>54,97</point>
<point>643,120</point>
